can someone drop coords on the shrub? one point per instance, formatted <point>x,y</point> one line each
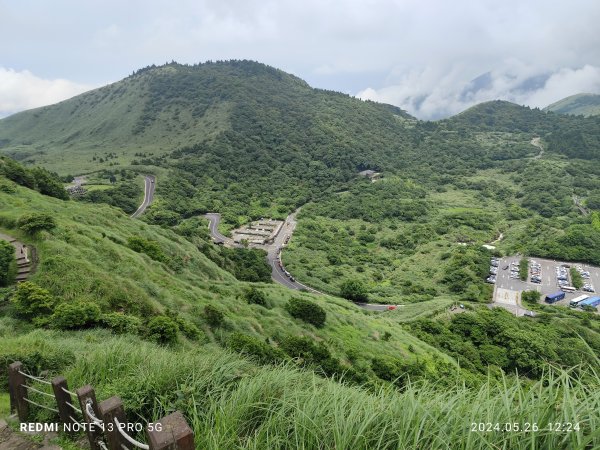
<point>30,300</point>
<point>36,222</point>
<point>304,348</point>
<point>121,323</point>
<point>7,256</point>
<point>254,347</point>
<point>69,316</point>
<point>255,296</point>
<point>214,316</point>
<point>523,269</point>
<point>354,290</point>
<point>150,248</point>
<point>190,330</point>
<point>7,187</point>
<point>307,311</point>
<point>576,278</point>
<point>162,329</point>
<point>531,296</point>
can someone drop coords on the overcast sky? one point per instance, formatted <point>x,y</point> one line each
<point>432,58</point>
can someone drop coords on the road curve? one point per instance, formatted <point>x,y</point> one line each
<point>278,273</point>
<point>149,185</point>
<point>213,226</point>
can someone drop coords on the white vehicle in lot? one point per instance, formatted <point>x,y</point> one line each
<point>575,302</point>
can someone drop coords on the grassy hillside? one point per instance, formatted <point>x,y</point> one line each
<point>88,258</point>
<point>232,403</point>
<point>577,105</point>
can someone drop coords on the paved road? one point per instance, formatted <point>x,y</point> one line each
<point>149,185</point>
<point>273,251</point>
<point>213,226</point>
<point>277,273</point>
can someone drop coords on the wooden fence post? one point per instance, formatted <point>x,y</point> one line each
<point>109,409</point>
<point>18,393</point>
<point>94,431</point>
<point>172,432</point>
<point>65,412</point>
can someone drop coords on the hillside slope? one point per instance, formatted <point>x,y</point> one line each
<point>578,104</point>
<point>89,258</point>
<point>160,109</point>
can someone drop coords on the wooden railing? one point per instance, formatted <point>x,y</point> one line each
<point>104,423</point>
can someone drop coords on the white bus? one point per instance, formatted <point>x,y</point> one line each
<point>567,289</point>
<point>577,300</point>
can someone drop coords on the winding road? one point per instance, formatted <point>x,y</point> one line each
<point>149,185</point>
<point>278,274</point>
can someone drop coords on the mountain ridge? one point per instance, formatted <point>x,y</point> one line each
<point>585,104</point>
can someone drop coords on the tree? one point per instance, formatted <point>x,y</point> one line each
<point>7,256</point>
<point>307,311</point>
<point>354,290</point>
<point>49,183</point>
<point>36,222</point>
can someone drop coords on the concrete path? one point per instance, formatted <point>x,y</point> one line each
<point>22,255</point>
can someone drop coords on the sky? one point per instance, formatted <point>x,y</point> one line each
<point>431,58</point>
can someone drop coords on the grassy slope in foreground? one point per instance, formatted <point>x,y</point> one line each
<point>84,259</point>
<point>231,403</point>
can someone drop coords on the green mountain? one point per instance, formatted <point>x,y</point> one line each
<point>577,105</point>
<point>160,109</point>
<point>250,141</point>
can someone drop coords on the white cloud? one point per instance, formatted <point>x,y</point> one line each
<point>413,53</point>
<point>21,90</point>
<point>432,94</point>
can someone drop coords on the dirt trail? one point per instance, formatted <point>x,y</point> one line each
<point>537,143</point>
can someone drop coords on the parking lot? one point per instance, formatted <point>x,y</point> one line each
<point>545,272</point>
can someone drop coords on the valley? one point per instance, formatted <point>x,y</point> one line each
<point>362,305</point>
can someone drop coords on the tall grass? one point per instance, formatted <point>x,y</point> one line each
<point>232,403</point>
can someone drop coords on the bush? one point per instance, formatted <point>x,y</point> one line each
<point>576,278</point>
<point>7,257</point>
<point>69,316</point>
<point>354,290</point>
<point>190,330</point>
<point>162,329</point>
<point>36,222</point>
<point>255,296</point>
<point>531,296</point>
<point>30,300</point>
<point>150,248</point>
<point>523,269</point>
<point>121,323</point>
<point>214,316</point>
<point>254,347</point>
<point>307,311</point>
<point>7,187</point>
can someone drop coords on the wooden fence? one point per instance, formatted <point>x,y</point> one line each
<point>104,423</point>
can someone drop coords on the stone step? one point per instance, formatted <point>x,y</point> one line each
<point>21,277</point>
<point>21,270</point>
<point>23,264</point>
